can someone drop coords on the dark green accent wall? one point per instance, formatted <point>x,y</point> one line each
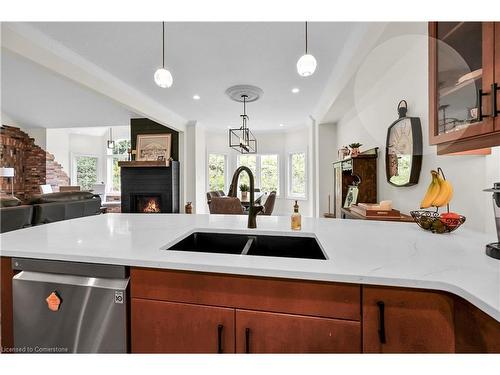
<point>147,126</point>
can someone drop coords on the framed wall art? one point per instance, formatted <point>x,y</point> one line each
<point>153,147</point>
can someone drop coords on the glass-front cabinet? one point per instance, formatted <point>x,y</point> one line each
<point>462,85</point>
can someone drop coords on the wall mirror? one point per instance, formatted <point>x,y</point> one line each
<point>403,151</point>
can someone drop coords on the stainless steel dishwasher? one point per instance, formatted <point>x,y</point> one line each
<point>69,307</point>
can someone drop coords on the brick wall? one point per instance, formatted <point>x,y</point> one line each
<point>33,165</point>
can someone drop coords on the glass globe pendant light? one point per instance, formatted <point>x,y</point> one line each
<point>163,77</point>
<point>307,63</point>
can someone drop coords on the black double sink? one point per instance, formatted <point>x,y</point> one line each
<point>257,245</point>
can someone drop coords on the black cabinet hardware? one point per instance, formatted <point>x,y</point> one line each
<point>480,95</point>
<point>220,327</point>
<point>247,340</point>
<point>381,331</point>
<point>494,109</point>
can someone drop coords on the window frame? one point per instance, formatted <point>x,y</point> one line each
<point>226,168</point>
<point>258,167</point>
<point>109,166</point>
<point>291,195</point>
<point>74,156</point>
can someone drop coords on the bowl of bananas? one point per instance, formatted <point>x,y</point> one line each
<point>439,194</point>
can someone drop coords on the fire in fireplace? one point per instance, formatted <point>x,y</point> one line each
<point>147,204</point>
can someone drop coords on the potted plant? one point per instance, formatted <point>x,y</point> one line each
<point>244,188</point>
<point>355,149</point>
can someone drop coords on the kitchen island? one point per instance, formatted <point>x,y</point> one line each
<point>365,261</point>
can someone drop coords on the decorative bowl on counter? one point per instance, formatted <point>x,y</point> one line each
<point>437,223</point>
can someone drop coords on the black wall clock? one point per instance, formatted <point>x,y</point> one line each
<point>403,150</point>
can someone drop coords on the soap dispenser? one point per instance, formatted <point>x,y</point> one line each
<point>296,218</point>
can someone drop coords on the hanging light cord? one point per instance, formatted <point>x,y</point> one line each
<point>163,45</point>
<point>306,37</point>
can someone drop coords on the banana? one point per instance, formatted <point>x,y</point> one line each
<point>445,193</point>
<point>432,191</point>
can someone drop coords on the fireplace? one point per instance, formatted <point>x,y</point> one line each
<point>150,189</point>
<point>146,203</point>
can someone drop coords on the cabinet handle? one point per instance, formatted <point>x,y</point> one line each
<point>220,327</point>
<point>381,331</point>
<point>247,340</point>
<point>480,95</point>
<point>494,109</point>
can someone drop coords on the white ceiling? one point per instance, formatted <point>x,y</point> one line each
<point>37,97</point>
<point>204,58</point>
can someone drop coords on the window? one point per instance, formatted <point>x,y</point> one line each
<point>249,161</point>
<point>269,173</point>
<point>297,175</point>
<point>119,152</point>
<point>216,172</point>
<point>86,171</point>
<point>265,169</point>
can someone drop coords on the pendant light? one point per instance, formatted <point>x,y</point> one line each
<point>307,63</point>
<point>111,143</point>
<point>162,76</point>
<point>242,139</point>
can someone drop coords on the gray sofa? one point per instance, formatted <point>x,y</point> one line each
<point>49,208</point>
<point>17,217</point>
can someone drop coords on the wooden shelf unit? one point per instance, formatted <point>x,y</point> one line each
<point>344,171</point>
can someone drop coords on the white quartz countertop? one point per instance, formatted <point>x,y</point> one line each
<point>358,251</point>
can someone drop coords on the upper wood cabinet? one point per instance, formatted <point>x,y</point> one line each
<point>464,75</point>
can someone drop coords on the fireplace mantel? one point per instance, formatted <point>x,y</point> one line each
<point>144,163</point>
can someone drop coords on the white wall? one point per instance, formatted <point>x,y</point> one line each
<point>327,134</point>
<point>58,145</point>
<point>398,69</point>
<point>195,171</point>
<point>280,143</point>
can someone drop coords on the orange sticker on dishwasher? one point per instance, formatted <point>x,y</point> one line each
<point>53,301</point>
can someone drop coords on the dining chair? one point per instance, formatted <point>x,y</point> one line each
<point>269,204</point>
<point>211,195</point>
<point>226,206</point>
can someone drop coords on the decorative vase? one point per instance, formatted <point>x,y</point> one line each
<point>343,153</point>
<point>355,152</point>
<point>188,208</point>
<point>244,195</point>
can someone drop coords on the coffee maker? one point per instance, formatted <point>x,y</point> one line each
<point>493,249</point>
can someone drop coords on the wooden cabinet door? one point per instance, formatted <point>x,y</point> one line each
<point>167,327</point>
<point>497,73</point>
<point>461,71</point>
<point>263,332</point>
<point>407,321</point>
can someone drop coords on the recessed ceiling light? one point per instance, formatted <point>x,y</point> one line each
<point>295,90</point>
<point>196,97</point>
<point>281,125</point>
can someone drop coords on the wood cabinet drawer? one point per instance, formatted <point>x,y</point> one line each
<point>332,300</point>
<point>262,332</point>
<point>167,327</point>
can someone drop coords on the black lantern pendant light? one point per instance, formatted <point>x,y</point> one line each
<point>242,139</point>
